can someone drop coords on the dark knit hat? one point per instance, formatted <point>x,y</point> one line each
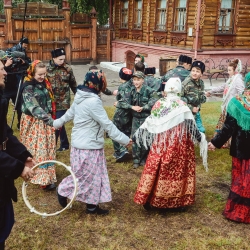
<point>125,74</point>
<point>149,71</point>
<point>94,82</point>
<point>138,74</point>
<point>24,40</point>
<point>57,52</point>
<point>185,59</point>
<point>198,64</point>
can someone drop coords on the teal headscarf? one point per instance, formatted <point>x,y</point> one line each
<point>247,80</point>
<point>239,106</point>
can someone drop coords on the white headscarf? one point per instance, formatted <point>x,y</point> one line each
<point>173,86</point>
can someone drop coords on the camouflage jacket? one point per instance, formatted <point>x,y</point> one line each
<point>36,101</point>
<point>124,93</point>
<point>152,82</point>
<point>179,71</point>
<point>145,98</point>
<point>62,80</point>
<point>122,117</point>
<point>193,92</point>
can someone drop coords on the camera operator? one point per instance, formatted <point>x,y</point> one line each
<point>21,47</point>
<point>11,87</point>
<point>16,65</point>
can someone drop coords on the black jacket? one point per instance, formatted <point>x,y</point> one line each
<point>12,159</point>
<point>240,144</point>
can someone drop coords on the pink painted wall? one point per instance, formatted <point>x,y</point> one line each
<point>154,53</point>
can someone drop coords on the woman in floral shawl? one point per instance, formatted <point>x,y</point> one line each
<point>36,130</point>
<point>168,179</point>
<point>237,126</point>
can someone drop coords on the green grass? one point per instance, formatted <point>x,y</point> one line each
<point>130,227</point>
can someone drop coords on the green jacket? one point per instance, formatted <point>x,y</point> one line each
<point>36,102</point>
<point>152,82</point>
<point>122,117</point>
<point>179,71</point>
<point>62,80</point>
<point>193,92</point>
<point>145,98</point>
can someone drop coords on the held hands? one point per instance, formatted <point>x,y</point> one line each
<point>30,163</point>
<point>115,92</point>
<point>27,173</point>
<point>210,146</point>
<point>208,94</point>
<point>137,108</point>
<point>130,142</point>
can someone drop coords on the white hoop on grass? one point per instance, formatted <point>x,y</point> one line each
<point>26,199</point>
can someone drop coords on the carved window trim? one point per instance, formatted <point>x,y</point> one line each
<point>227,38</point>
<point>222,20</point>
<point>179,12</point>
<point>124,16</point>
<point>137,15</point>
<point>161,16</point>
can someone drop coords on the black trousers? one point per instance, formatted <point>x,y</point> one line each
<point>2,244</point>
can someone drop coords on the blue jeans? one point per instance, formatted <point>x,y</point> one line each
<point>62,132</point>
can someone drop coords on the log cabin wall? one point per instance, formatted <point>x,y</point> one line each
<point>48,27</point>
<point>155,43</point>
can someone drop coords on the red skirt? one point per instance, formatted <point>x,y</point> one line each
<point>168,179</point>
<point>238,203</point>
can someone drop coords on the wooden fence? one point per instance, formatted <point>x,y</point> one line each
<point>48,27</point>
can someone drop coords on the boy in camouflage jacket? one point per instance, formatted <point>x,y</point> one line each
<point>140,102</point>
<point>150,80</point>
<point>182,70</point>
<point>62,79</point>
<point>193,91</point>
<point>122,117</point>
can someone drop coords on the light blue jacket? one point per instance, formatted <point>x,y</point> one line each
<point>90,120</point>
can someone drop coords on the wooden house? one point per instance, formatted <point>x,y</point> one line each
<point>209,30</point>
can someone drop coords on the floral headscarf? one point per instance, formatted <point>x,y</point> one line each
<point>94,82</point>
<point>30,77</point>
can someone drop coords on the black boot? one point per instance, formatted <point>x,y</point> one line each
<point>62,200</point>
<point>147,206</point>
<point>95,209</point>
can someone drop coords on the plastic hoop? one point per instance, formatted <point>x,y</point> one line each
<point>26,199</point>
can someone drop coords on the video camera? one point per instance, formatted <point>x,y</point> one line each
<point>16,56</point>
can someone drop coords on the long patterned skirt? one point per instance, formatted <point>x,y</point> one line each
<point>219,126</point>
<point>90,169</point>
<point>168,179</point>
<point>238,203</point>
<point>39,139</point>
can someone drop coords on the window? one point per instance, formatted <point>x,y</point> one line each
<point>226,18</point>
<point>137,14</point>
<point>124,14</point>
<point>180,15</point>
<point>161,15</point>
